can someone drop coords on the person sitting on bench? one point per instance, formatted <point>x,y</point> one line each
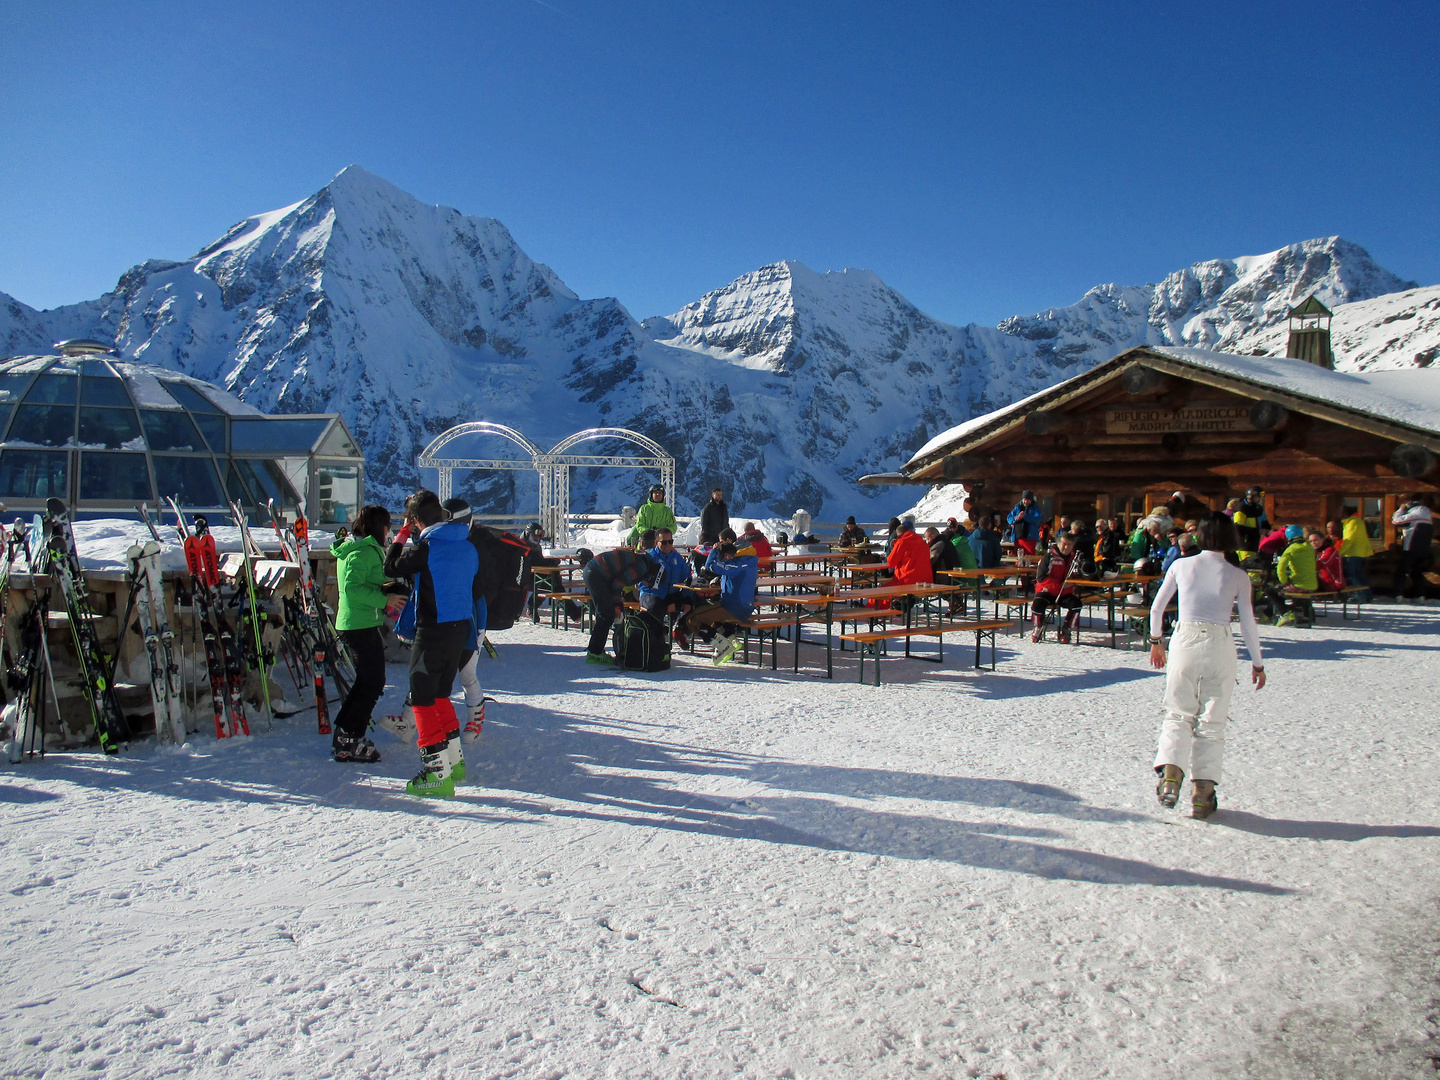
<point>1295,570</point>
<point>1053,589</point>
<point>665,596</point>
<point>737,571</point>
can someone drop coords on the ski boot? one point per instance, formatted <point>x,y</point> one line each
<point>1168,788</point>
<point>476,723</point>
<point>455,756</point>
<point>1203,802</point>
<point>353,748</point>
<point>725,647</point>
<point>600,658</point>
<point>433,781</point>
<point>1035,635</point>
<point>681,638</point>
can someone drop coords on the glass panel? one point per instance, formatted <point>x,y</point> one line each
<point>191,398</point>
<point>192,480</point>
<point>212,426</point>
<point>109,391</point>
<point>295,436</point>
<point>339,493</point>
<point>11,387</point>
<point>170,431</point>
<point>1373,511</point>
<point>44,425</point>
<point>33,474</point>
<point>114,477</point>
<point>268,482</point>
<point>115,429</point>
<point>53,390</point>
<point>236,489</point>
<point>339,444</point>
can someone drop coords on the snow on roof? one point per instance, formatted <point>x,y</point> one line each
<point>1410,397</point>
<point>1406,396</point>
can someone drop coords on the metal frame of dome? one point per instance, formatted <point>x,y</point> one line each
<point>106,434</point>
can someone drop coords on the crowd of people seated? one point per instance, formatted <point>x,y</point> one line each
<point>1288,561</point>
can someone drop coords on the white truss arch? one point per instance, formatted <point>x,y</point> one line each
<point>430,457</point>
<point>555,515</point>
<point>553,466</point>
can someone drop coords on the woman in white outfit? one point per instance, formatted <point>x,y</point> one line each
<point>1200,675</point>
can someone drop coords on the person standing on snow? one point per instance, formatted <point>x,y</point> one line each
<point>443,563</point>
<point>606,576</point>
<point>1419,524</point>
<point>1024,522</point>
<point>1200,667</point>
<point>360,583</point>
<point>713,518</point>
<point>481,591</point>
<point>653,515</point>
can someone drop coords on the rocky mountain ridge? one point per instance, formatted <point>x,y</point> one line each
<point>782,387</point>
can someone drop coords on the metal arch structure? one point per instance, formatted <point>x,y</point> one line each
<point>554,513</point>
<point>553,467</point>
<point>430,459</point>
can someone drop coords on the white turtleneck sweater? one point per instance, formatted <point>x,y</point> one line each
<point>1209,589</point>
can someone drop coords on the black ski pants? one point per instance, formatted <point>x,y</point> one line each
<point>435,660</point>
<point>369,649</point>
<point>602,601</point>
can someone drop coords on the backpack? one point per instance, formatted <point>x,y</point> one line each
<point>513,579</point>
<point>641,643</point>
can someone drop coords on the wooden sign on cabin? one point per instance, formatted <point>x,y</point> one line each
<point>1198,416</point>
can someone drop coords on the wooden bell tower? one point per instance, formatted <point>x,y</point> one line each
<point>1310,334</point>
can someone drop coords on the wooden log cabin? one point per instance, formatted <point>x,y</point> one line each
<point>1124,436</point>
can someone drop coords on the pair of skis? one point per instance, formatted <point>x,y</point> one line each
<point>147,594</point>
<point>223,660</point>
<point>28,675</point>
<point>311,634</point>
<point>62,565</point>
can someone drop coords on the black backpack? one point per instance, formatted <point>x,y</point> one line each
<point>641,643</point>
<point>512,577</point>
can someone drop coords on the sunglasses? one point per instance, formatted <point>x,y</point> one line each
<point>667,543</point>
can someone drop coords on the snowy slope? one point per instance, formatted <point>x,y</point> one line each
<point>782,387</point>
<point>754,874</point>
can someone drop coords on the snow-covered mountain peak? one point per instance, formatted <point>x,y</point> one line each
<point>783,386</point>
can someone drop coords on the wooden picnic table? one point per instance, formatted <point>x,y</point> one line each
<point>979,574</point>
<point>794,581</point>
<point>828,601</point>
<point>1111,586</point>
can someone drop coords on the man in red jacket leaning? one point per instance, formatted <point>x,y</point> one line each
<point>909,560</point>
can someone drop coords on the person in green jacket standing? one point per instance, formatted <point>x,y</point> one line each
<point>360,574</point>
<point>653,515</point>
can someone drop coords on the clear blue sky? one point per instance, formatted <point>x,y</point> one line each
<point>985,159</point>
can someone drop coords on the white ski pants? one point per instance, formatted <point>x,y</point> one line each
<point>1199,680</point>
<point>470,682</point>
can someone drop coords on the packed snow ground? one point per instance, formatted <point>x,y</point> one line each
<point>731,872</point>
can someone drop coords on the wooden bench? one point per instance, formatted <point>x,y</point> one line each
<point>761,625</point>
<point>871,643</point>
<point>1139,613</point>
<point>558,610</point>
<point>1345,596</point>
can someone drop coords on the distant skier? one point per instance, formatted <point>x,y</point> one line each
<point>653,515</point>
<point>714,517</point>
<point>481,589</point>
<point>1200,672</point>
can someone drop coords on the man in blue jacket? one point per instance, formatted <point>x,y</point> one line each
<point>1025,522</point>
<point>737,570</point>
<point>665,594</point>
<point>442,563</point>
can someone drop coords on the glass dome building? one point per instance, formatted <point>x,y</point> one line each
<point>106,434</point>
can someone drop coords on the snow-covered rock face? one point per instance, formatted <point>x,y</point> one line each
<point>782,387</point>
